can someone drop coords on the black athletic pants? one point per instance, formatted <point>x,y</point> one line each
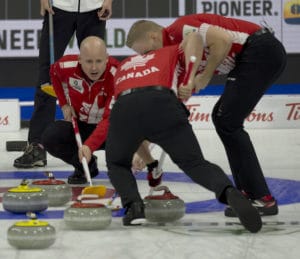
<point>261,62</point>
<point>65,24</point>
<point>59,140</point>
<point>157,116</point>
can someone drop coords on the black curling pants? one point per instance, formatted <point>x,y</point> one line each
<point>257,67</point>
<point>159,117</point>
<point>59,140</point>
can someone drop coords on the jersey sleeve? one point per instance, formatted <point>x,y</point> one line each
<point>57,84</point>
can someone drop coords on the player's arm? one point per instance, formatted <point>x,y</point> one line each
<point>45,7</point>
<point>192,45</point>
<point>142,157</point>
<point>105,11</point>
<point>219,43</point>
<point>57,83</point>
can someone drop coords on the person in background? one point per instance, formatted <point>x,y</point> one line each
<point>85,19</point>
<point>84,88</point>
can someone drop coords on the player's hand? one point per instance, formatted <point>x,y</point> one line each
<point>68,112</point>
<point>45,7</point>
<point>137,163</point>
<point>86,152</point>
<point>185,91</point>
<point>105,11</point>
<point>201,82</point>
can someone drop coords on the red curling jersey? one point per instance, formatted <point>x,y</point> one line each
<point>239,29</point>
<point>160,67</point>
<point>90,100</point>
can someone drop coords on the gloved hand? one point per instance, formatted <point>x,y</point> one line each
<point>154,175</point>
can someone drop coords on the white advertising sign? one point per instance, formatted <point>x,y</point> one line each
<point>9,115</point>
<point>19,38</point>
<point>273,111</point>
<point>282,15</point>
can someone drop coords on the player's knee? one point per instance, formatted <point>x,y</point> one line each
<point>187,164</point>
<point>218,118</point>
<point>223,124</point>
<point>48,137</point>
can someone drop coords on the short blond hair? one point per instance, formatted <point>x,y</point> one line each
<point>139,29</point>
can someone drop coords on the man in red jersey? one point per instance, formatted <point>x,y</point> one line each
<point>252,58</point>
<point>87,80</point>
<point>147,108</point>
<point>83,18</point>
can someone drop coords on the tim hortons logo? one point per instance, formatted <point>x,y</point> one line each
<point>294,112</point>
<point>195,115</point>
<point>4,121</point>
<point>254,116</point>
<point>137,61</point>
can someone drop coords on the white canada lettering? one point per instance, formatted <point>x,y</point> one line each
<point>130,75</point>
<point>142,73</point>
<point>138,74</point>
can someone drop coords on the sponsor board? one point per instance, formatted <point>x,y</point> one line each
<point>20,38</point>
<point>273,111</point>
<point>9,115</point>
<point>283,16</point>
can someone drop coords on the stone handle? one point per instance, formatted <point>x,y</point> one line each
<point>161,188</point>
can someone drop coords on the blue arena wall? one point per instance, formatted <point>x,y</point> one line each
<point>27,94</point>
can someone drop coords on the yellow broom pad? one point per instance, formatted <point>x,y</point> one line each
<point>99,190</point>
<point>48,89</point>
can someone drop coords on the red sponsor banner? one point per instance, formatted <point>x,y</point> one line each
<point>273,111</point>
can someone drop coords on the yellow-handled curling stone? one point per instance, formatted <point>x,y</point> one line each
<point>163,208</point>
<point>23,198</point>
<point>31,234</point>
<point>59,192</point>
<point>87,216</point>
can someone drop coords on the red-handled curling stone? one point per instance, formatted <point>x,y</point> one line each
<point>23,198</point>
<point>59,192</point>
<point>31,234</point>
<point>163,208</point>
<point>87,216</point>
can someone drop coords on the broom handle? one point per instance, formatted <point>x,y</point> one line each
<point>79,144</point>
<point>51,34</point>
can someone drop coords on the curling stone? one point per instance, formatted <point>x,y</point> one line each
<point>23,198</point>
<point>87,216</point>
<point>59,193</point>
<point>31,234</point>
<point>163,208</point>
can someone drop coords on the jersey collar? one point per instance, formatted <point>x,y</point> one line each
<point>165,37</point>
